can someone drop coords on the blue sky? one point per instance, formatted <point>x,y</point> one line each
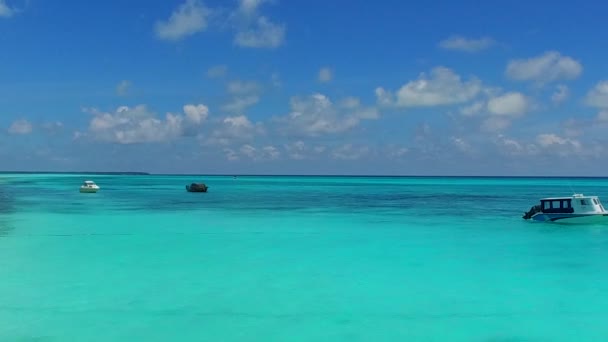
<point>304,87</point>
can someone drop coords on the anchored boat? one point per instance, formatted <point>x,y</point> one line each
<point>197,187</point>
<point>89,186</point>
<point>577,208</point>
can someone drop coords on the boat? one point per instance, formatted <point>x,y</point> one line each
<point>89,187</point>
<point>577,208</point>
<point>197,187</point>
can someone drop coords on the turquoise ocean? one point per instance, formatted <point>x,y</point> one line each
<point>297,259</point>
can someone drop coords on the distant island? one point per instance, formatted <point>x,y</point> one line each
<point>78,173</point>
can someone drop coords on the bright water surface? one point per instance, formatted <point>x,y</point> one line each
<point>297,259</point>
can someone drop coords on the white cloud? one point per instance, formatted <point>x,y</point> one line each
<point>196,113</point>
<point>461,144</point>
<point>299,150</point>
<point>510,104</point>
<point>235,129</point>
<point>316,115</point>
<point>473,109</point>
<point>603,116</point>
<point>248,151</point>
<point>5,10</point>
<point>460,43</point>
<point>384,97</point>
<point>441,87</point>
<point>268,152</point>
<point>546,68</point>
<point>129,125</point>
<point>558,145</point>
<point>250,7</point>
<point>561,94</point>
<point>217,71</point>
<point>553,139</point>
<point>122,89</point>
<point>349,152</point>
<point>189,18</point>
<point>239,104</point>
<point>350,102</point>
<point>255,30</point>
<point>243,87</point>
<point>262,34</point>
<point>325,75</point>
<point>512,147</point>
<point>598,96</point>
<point>245,94</point>
<point>21,126</point>
<point>271,152</point>
<point>231,154</point>
<point>296,150</point>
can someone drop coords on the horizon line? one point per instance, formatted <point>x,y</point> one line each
<point>142,173</point>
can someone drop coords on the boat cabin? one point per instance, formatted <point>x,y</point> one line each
<point>568,205</point>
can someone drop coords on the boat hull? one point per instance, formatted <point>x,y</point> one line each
<point>571,218</point>
<point>197,187</point>
<point>89,190</point>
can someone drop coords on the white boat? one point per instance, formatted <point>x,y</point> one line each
<point>89,186</point>
<point>577,208</point>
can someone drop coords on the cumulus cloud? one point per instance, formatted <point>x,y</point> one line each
<point>255,30</point>
<point>598,96</point>
<point>262,34</point>
<point>473,109</point>
<point>5,10</point>
<point>299,150</point>
<point>196,113</point>
<point>510,104</point>
<point>21,126</point>
<point>512,147</point>
<point>240,104</point>
<point>325,75</point>
<point>316,115</point>
<point>350,152</point>
<point>264,153</point>
<point>244,95</point>
<point>189,18</point>
<point>296,150</point>
<point>235,129</point>
<point>564,145</point>
<point>122,89</point>
<point>384,97</point>
<point>561,94</point>
<point>441,87</point>
<point>498,111</point>
<point>460,144</point>
<point>129,125</point>
<point>460,43</point>
<point>546,68</point>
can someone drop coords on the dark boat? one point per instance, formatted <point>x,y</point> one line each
<point>197,187</point>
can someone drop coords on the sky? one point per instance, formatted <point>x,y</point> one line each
<point>304,87</point>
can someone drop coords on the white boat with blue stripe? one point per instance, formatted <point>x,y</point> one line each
<point>577,208</point>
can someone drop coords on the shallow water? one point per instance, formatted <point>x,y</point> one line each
<point>297,259</point>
